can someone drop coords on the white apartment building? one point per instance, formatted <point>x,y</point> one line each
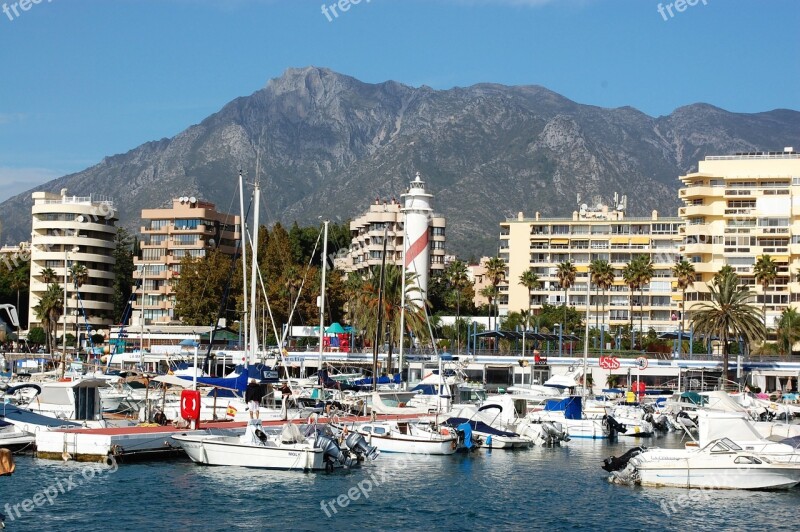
<point>74,229</point>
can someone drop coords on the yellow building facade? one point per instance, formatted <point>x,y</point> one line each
<point>738,208</point>
<point>591,234</point>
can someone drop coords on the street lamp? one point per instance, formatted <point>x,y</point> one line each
<point>560,338</point>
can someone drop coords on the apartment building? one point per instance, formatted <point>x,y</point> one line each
<point>738,208</point>
<point>592,233</point>
<point>191,227</point>
<point>67,230</point>
<point>426,229</point>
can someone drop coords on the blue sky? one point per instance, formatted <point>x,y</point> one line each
<point>83,79</point>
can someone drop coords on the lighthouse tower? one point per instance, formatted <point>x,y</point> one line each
<point>417,213</point>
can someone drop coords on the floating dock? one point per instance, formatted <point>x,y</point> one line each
<point>146,442</point>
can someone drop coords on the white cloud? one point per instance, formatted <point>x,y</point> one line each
<point>14,181</point>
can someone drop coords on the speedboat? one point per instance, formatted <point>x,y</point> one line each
<point>568,412</point>
<point>411,438</point>
<point>485,429</point>
<point>721,464</point>
<point>290,450</point>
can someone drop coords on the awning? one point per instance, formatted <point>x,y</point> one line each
<point>560,241</point>
<point>581,269</point>
<point>677,297</point>
<point>640,240</point>
<point>780,258</point>
<point>619,239</point>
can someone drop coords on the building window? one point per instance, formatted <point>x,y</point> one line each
<point>158,224</point>
<point>437,231</point>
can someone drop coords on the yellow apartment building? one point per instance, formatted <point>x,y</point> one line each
<point>738,208</point>
<point>592,233</point>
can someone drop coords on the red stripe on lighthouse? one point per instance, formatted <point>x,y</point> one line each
<point>417,248</point>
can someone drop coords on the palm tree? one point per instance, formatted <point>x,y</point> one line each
<point>729,314</point>
<point>456,276</point>
<point>530,281</point>
<point>490,293</point>
<point>48,310</point>
<point>496,271</point>
<point>685,273</point>
<point>48,275</point>
<point>602,275</point>
<point>17,284</point>
<point>788,330</point>
<point>722,273</point>
<point>566,278</point>
<point>365,306</point>
<point>765,271</point>
<point>646,273</point>
<point>631,276</point>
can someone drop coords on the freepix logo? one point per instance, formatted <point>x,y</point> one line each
<point>15,9</point>
<point>333,10</point>
<point>679,6</point>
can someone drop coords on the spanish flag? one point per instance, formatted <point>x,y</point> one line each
<point>231,411</point>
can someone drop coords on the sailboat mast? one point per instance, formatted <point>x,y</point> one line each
<point>402,302</point>
<point>378,331</point>
<point>586,334</point>
<point>322,292</point>
<point>243,237</point>
<point>254,271</point>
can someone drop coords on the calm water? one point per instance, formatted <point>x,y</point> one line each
<point>555,489</point>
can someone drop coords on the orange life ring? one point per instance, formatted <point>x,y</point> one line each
<point>445,432</point>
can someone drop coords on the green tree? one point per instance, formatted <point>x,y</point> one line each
<point>565,272</point>
<point>366,309</point>
<point>49,310</point>
<point>456,275</point>
<point>495,272</point>
<point>685,273</point>
<point>646,273</point>
<point>200,287</point>
<point>48,275</point>
<point>37,335</point>
<point>123,272</point>
<point>729,314</point>
<point>788,330</point>
<point>723,272</point>
<point>602,275</point>
<point>631,274</point>
<point>765,272</point>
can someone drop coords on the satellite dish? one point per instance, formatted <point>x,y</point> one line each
<point>584,207</point>
<point>79,219</point>
<point>193,200</point>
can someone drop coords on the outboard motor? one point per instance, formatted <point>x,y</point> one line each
<point>332,451</point>
<point>613,463</point>
<point>615,426</point>
<point>661,423</point>
<point>555,432</point>
<point>685,420</point>
<point>356,443</point>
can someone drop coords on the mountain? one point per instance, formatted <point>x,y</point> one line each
<point>328,144</point>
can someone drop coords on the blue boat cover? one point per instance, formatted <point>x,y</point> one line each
<point>466,428</point>
<point>479,426</point>
<point>571,406</point>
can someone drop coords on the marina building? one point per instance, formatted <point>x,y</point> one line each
<point>738,208</point>
<point>191,227</point>
<point>70,230</point>
<point>411,224</point>
<point>600,232</point>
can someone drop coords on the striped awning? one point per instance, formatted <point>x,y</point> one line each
<point>560,241</point>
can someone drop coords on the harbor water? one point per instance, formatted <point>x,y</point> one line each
<point>539,488</point>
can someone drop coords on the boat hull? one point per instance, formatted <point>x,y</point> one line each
<point>412,446</point>
<point>762,478</point>
<point>227,451</point>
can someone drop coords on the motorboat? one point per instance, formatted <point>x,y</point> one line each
<point>720,464</point>
<point>14,438</point>
<point>568,413</point>
<point>291,449</point>
<point>486,427</point>
<point>410,438</point>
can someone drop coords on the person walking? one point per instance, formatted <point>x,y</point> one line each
<point>253,395</point>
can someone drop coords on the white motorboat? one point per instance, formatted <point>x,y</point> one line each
<point>13,437</point>
<point>721,464</point>
<point>568,413</point>
<point>411,438</point>
<point>291,449</point>
<point>486,428</point>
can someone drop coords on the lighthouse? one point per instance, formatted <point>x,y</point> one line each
<point>417,213</point>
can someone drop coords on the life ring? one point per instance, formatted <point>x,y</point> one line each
<point>445,432</point>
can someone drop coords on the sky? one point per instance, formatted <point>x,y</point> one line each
<point>85,79</point>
